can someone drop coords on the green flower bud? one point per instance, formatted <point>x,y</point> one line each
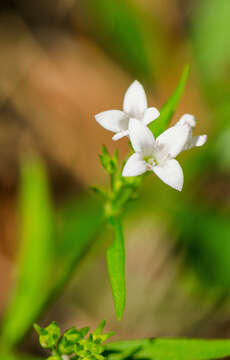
<point>49,335</point>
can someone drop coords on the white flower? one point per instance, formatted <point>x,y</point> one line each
<point>159,155</point>
<point>134,106</point>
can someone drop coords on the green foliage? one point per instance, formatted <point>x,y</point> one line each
<point>70,338</point>
<point>116,267</point>
<point>73,342</point>
<point>122,190</point>
<point>16,356</point>
<point>168,109</point>
<point>168,349</point>
<point>211,48</point>
<point>36,248</point>
<point>81,220</point>
<point>108,163</point>
<point>203,249</point>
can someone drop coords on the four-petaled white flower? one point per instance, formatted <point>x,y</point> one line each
<point>158,155</point>
<point>134,106</point>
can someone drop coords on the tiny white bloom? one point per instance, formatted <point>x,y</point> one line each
<point>190,121</point>
<point>159,155</point>
<point>134,106</point>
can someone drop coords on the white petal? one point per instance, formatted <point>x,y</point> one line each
<point>174,139</point>
<point>150,115</point>
<point>120,135</point>
<point>199,140</point>
<point>141,137</point>
<point>195,141</point>
<point>187,119</point>
<point>171,173</point>
<point>134,166</point>
<point>113,120</point>
<point>135,102</point>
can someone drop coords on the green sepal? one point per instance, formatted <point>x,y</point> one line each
<point>99,329</point>
<point>109,163</point>
<point>48,336</point>
<point>98,337</point>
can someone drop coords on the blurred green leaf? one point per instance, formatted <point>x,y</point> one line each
<point>118,26</point>
<point>211,37</point>
<point>35,252</point>
<point>116,267</point>
<point>208,245</point>
<point>18,357</point>
<point>80,222</point>
<point>39,283</point>
<point>170,349</point>
<point>168,109</point>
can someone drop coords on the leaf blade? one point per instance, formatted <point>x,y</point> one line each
<point>168,109</point>
<point>168,349</point>
<point>116,268</point>
<point>77,236</point>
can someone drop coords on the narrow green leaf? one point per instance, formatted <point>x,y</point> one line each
<point>168,349</point>
<point>81,220</point>
<point>168,109</point>
<point>116,268</point>
<point>35,252</point>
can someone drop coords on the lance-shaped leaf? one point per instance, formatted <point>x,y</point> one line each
<point>116,267</point>
<point>168,349</point>
<point>168,109</point>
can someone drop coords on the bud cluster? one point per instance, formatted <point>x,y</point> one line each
<point>73,344</point>
<point>122,189</point>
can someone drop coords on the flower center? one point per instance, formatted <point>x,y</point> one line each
<point>158,157</point>
<point>150,162</point>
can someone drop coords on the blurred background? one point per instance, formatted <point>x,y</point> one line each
<point>61,62</point>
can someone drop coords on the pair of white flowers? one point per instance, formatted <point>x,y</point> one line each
<point>157,155</point>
